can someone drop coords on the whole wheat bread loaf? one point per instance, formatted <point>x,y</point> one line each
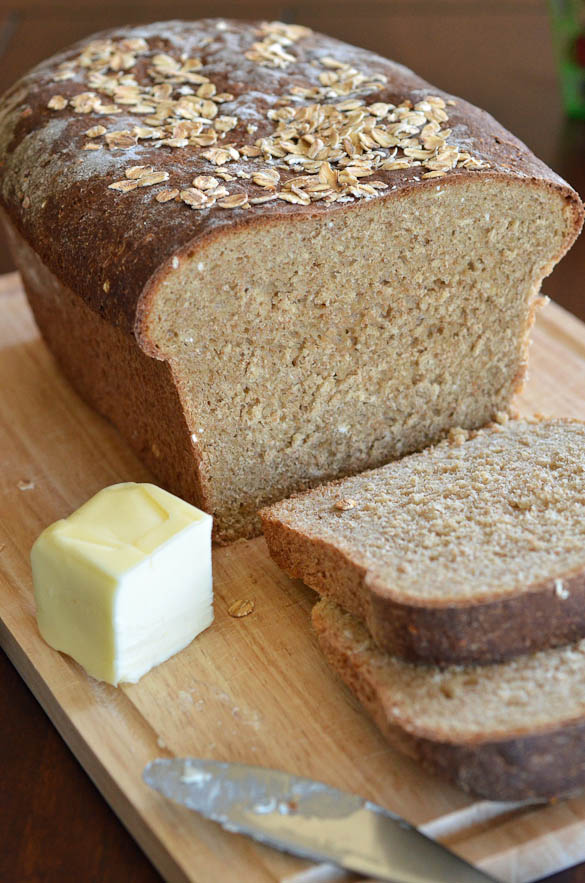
<point>271,258</point>
<point>470,551</point>
<point>511,731</point>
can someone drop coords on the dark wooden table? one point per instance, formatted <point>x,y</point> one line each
<point>54,825</point>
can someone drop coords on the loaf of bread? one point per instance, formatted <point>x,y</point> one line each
<point>471,551</point>
<point>512,731</point>
<point>271,258</point>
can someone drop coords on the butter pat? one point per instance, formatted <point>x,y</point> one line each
<point>124,582</point>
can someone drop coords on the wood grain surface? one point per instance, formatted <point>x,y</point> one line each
<point>254,690</point>
<point>54,825</point>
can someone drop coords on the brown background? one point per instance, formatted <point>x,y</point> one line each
<point>54,826</point>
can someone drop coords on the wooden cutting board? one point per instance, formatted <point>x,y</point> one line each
<point>254,690</point>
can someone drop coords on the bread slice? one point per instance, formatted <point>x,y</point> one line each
<point>272,268</point>
<point>471,551</point>
<point>511,731</point>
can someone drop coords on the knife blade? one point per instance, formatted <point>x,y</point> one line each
<point>309,819</point>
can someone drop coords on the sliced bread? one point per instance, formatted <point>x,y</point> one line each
<point>472,551</point>
<point>511,731</point>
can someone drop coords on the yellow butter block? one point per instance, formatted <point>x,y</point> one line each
<point>125,581</point>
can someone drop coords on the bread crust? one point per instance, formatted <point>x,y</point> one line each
<point>487,628</point>
<point>490,631</point>
<point>115,249</point>
<point>86,347</point>
<point>529,766</point>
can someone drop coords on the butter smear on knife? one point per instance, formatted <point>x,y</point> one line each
<point>125,581</point>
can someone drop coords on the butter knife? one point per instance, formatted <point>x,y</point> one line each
<point>309,819</point>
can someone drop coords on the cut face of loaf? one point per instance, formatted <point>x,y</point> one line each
<point>272,270</point>
<point>305,350</point>
<point>513,731</point>
<point>469,552</point>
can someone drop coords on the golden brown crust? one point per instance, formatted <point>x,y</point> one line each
<point>522,767</point>
<point>114,247</point>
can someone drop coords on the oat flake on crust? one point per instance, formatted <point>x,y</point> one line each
<point>331,130</point>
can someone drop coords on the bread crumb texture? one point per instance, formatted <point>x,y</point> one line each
<point>344,356</point>
<point>488,517</point>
